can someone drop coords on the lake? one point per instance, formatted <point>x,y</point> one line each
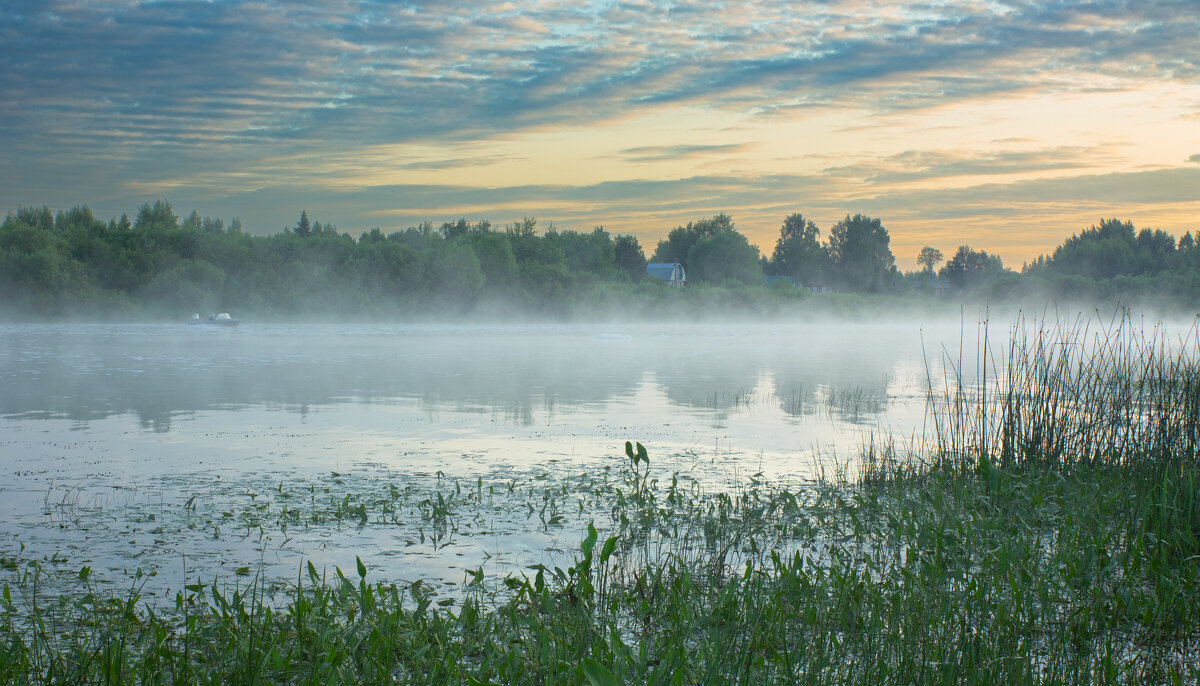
<point>189,452</point>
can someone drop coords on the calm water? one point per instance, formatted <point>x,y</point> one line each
<point>181,450</point>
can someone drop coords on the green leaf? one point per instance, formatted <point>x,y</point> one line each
<point>641,453</point>
<point>362,568</point>
<point>596,673</point>
<point>629,449</point>
<point>589,542</point>
<point>85,573</point>
<point>472,681</point>
<point>610,546</point>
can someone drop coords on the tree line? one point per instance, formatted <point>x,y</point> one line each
<point>71,261</point>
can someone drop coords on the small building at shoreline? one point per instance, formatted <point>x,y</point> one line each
<point>671,272</point>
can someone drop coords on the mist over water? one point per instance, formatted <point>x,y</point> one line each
<point>170,448</point>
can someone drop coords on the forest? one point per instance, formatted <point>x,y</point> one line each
<point>71,263</point>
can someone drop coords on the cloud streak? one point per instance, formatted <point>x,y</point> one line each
<point>374,72</point>
<point>179,95</point>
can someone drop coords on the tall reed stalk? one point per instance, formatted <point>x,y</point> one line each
<point>1074,395</point>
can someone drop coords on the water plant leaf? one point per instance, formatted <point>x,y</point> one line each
<point>362,569</point>
<point>610,546</point>
<point>589,542</point>
<point>596,673</point>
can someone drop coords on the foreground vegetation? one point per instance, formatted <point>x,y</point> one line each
<point>1049,532</point>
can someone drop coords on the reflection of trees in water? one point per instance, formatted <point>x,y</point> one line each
<point>844,376</point>
<point>84,377</point>
<point>160,373</point>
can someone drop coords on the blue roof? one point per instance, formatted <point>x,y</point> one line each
<point>663,270</point>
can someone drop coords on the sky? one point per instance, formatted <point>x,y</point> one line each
<point>1006,126</point>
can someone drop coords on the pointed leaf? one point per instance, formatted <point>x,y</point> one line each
<point>596,673</point>
<point>610,546</point>
<point>589,542</point>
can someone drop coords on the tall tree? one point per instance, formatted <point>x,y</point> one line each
<point>682,238</point>
<point>860,252</point>
<point>798,251</point>
<point>303,227</point>
<point>725,257</point>
<point>972,268</point>
<point>629,257</point>
<point>929,258</point>
<point>158,216</point>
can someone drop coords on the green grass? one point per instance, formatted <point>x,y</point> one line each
<point>1049,534</point>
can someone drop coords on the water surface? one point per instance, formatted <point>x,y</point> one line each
<point>197,451</point>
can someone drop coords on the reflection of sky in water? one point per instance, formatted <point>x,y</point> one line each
<point>103,426</point>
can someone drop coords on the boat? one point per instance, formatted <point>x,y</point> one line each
<point>222,319</point>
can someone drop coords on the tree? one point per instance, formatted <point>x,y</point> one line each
<point>629,257</point>
<point>972,268</point>
<point>587,252</point>
<point>725,257</point>
<point>682,238</point>
<point>707,228</point>
<point>496,259</point>
<point>676,246</point>
<point>456,273</point>
<point>1155,251</point>
<point>193,221</point>
<point>303,227</point>
<point>799,253</point>
<point>860,254</point>
<point>158,216</point>
<point>929,258</point>
<point>452,230</point>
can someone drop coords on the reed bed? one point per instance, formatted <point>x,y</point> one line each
<point>1047,534</point>
<point>1074,394</point>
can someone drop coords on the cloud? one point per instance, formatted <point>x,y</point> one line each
<point>1194,158</point>
<point>656,153</point>
<point>369,72</point>
<point>921,165</point>
<point>101,97</point>
<point>1023,198</point>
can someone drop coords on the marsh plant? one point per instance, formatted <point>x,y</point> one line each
<point>1049,532</point>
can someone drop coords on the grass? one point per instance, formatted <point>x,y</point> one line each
<point>1048,534</point>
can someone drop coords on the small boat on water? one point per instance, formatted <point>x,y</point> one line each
<point>222,319</point>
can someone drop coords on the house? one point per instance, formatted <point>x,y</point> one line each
<point>671,272</point>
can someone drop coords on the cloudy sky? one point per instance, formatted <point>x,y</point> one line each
<point>1005,125</point>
